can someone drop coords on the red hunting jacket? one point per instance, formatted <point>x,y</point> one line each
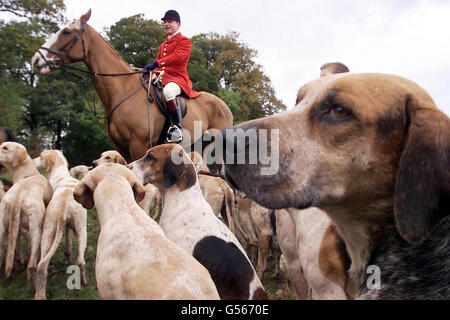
<point>173,58</point>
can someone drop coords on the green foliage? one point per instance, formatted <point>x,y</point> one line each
<point>242,84</point>
<point>137,39</point>
<point>231,98</point>
<point>10,104</point>
<point>47,13</point>
<point>85,139</point>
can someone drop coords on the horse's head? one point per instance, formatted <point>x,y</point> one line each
<point>64,47</point>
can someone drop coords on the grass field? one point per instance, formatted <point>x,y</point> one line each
<point>18,288</point>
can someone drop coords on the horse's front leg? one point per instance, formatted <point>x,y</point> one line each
<point>137,148</point>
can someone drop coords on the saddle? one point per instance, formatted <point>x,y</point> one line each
<point>162,106</point>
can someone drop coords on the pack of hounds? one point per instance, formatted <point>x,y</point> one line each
<point>364,180</point>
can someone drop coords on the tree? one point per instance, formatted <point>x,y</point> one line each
<point>85,138</point>
<point>242,83</point>
<point>136,39</point>
<point>18,44</point>
<point>44,112</point>
<point>47,13</point>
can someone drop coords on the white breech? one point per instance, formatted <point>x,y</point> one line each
<point>171,91</point>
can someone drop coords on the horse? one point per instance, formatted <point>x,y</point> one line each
<point>132,122</point>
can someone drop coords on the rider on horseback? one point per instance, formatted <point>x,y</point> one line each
<point>173,57</point>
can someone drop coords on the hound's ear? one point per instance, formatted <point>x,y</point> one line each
<point>422,190</point>
<point>171,173</point>
<point>85,18</point>
<point>121,160</point>
<point>184,174</point>
<point>138,188</point>
<point>20,158</point>
<point>49,163</point>
<point>83,194</point>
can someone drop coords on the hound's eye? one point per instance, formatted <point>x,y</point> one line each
<point>149,157</point>
<point>108,158</point>
<point>66,32</point>
<point>339,112</point>
<point>5,148</point>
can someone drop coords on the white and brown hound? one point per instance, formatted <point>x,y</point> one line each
<point>152,199</point>
<point>63,212</point>
<point>23,206</point>
<point>189,221</point>
<point>135,260</point>
<point>373,152</point>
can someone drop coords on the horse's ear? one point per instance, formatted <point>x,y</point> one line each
<point>423,179</point>
<point>85,18</point>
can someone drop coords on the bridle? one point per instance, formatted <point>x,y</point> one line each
<point>64,51</point>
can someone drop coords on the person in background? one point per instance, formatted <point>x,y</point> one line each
<point>332,68</point>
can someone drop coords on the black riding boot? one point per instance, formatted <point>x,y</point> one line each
<point>175,132</point>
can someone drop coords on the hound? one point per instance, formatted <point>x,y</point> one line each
<point>373,152</point>
<point>189,221</point>
<point>290,263</point>
<point>247,237</point>
<point>152,197</point>
<point>2,191</point>
<point>135,260</point>
<point>62,212</point>
<point>216,191</point>
<point>23,206</point>
<point>220,197</point>
<point>315,255</point>
<point>199,162</point>
<point>259,234</point>
<point>81,169</point>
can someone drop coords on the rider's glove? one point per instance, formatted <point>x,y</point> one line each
<point>151,66</point>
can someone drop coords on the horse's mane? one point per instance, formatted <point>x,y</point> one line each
<point>112,49</point>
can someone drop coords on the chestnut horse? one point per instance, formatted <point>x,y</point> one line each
<point>128,126</point>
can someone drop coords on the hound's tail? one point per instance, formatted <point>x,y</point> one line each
<point>62,207</point>
<point>229,207</point>
<point>14,224</point>
<point>233,219</point>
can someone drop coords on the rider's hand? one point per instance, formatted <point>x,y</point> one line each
<point>151,66</point>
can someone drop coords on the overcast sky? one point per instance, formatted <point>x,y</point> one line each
<point>294,38</point>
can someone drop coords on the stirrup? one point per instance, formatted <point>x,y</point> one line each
<point>175,134</point>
